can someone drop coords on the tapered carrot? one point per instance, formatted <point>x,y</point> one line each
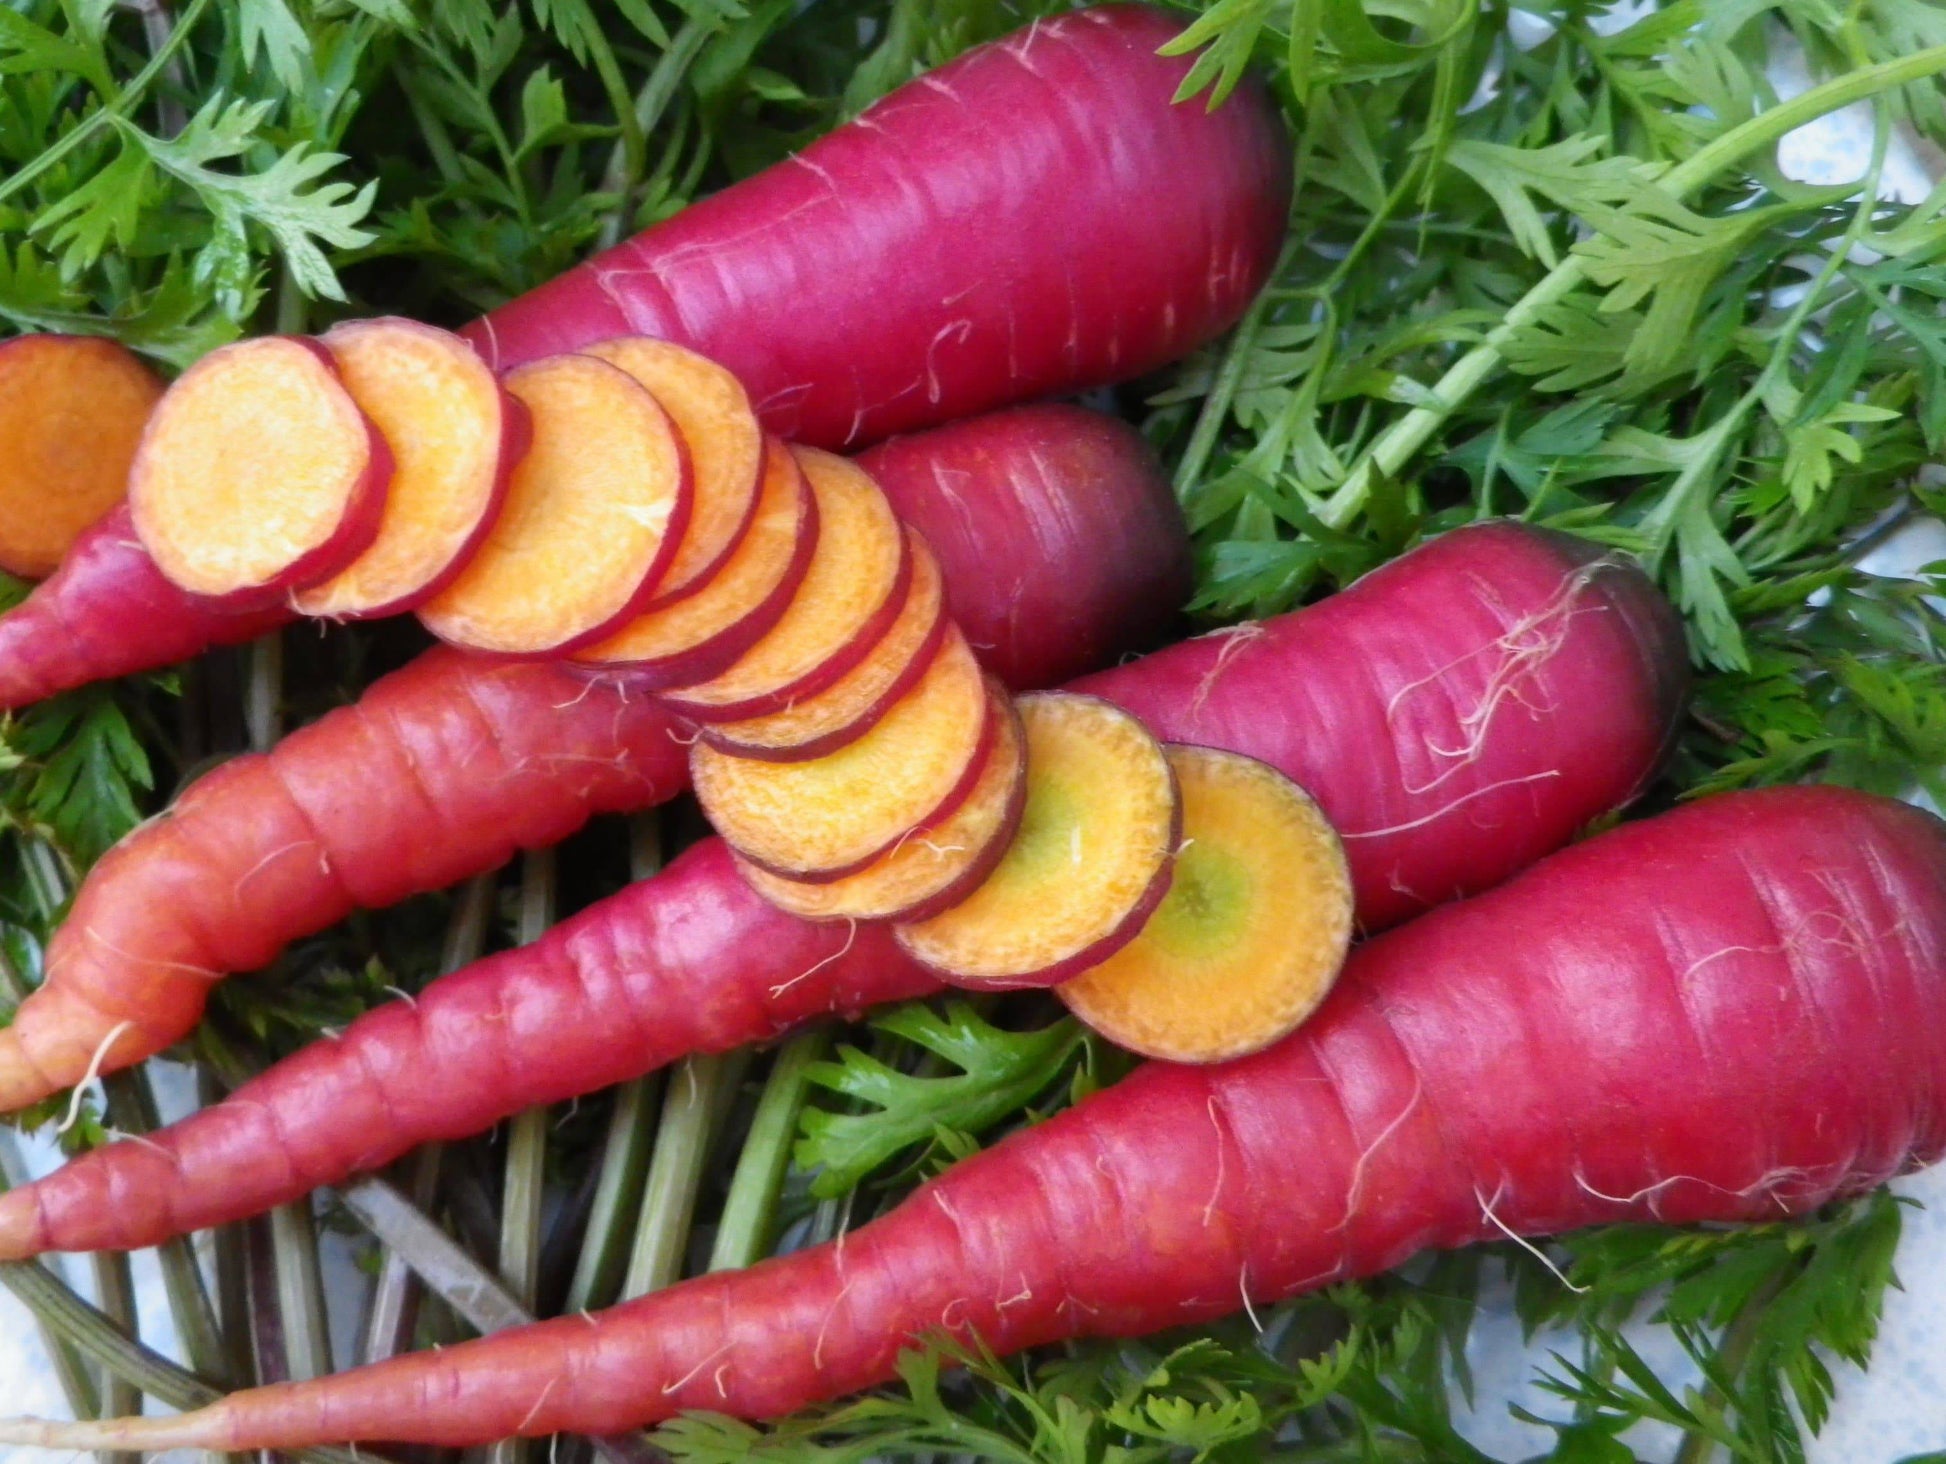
<point>446,767</point>
<point>695,961</point>
<point>1731,1012</point>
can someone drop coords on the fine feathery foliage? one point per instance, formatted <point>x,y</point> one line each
<point>1543,261</point>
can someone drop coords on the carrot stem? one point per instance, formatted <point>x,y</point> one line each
<point>748,1227</point>
<point>115,1295</point>
<point>692,1109</point>
<point>77,1382</point>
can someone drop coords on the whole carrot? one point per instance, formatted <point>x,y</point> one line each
<point>1563,673</point>
<point>441,770</point>
<point>1731,1012</point>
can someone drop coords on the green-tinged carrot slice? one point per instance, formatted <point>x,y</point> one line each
<point>851,706</point>
<point>930,871</point>
<point>1253,930</point>
<point>726,450</point>
<point>833,815</point>
<point>1090,859</point>
<point>72,409</point>
<point>591,521</point>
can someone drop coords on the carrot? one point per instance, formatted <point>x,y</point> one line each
<point>695,961</point>
<point>446,767</point>
<point>72,409</point>
<point>1600,1040</point>
<point>1030,219</point>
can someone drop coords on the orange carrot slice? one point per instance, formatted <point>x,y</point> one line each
<point>72,410</point>
<point>1252,933</point>
<point>726,450</point>
<point>258,474</point>
<point>833,815</point>
<point>455,436</point>
<point>930,871</point>
<point>852,705</point>
<point>853,588</point>
<point>1090,859</point>
<point>700,634</point>
<point>592,517</point>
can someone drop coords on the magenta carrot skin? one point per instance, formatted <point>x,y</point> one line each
<point>1032,219</point>
<point>108,611</point>
<point>442,769</point>
<point>1728,1013</point>
<point>1449,738</point>
<point>762,982</point>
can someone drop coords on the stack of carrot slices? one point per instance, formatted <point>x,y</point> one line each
<point>622,507</point>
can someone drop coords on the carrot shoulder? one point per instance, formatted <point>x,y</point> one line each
<point>1599,1040</point>
<point>693,960</point>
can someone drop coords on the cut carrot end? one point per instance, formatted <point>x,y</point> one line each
<point>726,450</point>
<point>72,409</point>
<point>1088,863</point>
<point>258,474</point>
<point>592,516</point>
<point>455,437</point>
<point>702,633</point>
<point>833,815</point>
<point>853,704</point>
<point>930,871</point>
<point>1252,933</point>
<point>849,594</point>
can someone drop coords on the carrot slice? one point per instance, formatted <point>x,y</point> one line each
<point>455,436</point>
<point>258,474</point>
<point>931,871</point>
<point>1090,859</point>
<point>853,588</point>
<point>852,705</point>
<point>1252,933</point>
<point>72,410</point>
<point>833,815</point>
<point>703,632</point>
<point>592,518</point>
<point>726,450</point>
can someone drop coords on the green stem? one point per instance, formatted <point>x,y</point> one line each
<point>624,171</point>
<point>1223,389</point>
<point>70,1370</point>
<point>1395,446</point>
<point>115,1295</point>
<point>130,94</point>
<point>692,1105</point>
<point>744,1234</point>
<point>1739,1338</point>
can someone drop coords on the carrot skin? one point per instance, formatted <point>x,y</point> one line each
<point>1728,1013</point>
<point>108,611</point>
<point>744,971</point>
<point>443,769</point>
<point>1034,218</point>
<point>1451,739</point>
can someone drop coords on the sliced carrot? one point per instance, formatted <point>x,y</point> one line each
<point>258,474</point>
<point>592,517</point>
<point>1253,930</point>
<point>1090,859</point>
<point>851,706</point>
<point>726,450</point>
<point>853,588</point>
<point>72,409</point>
<point>455,437</point>
<point>833,815</point>
<point>703,632</point>
<point>931,871</point>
